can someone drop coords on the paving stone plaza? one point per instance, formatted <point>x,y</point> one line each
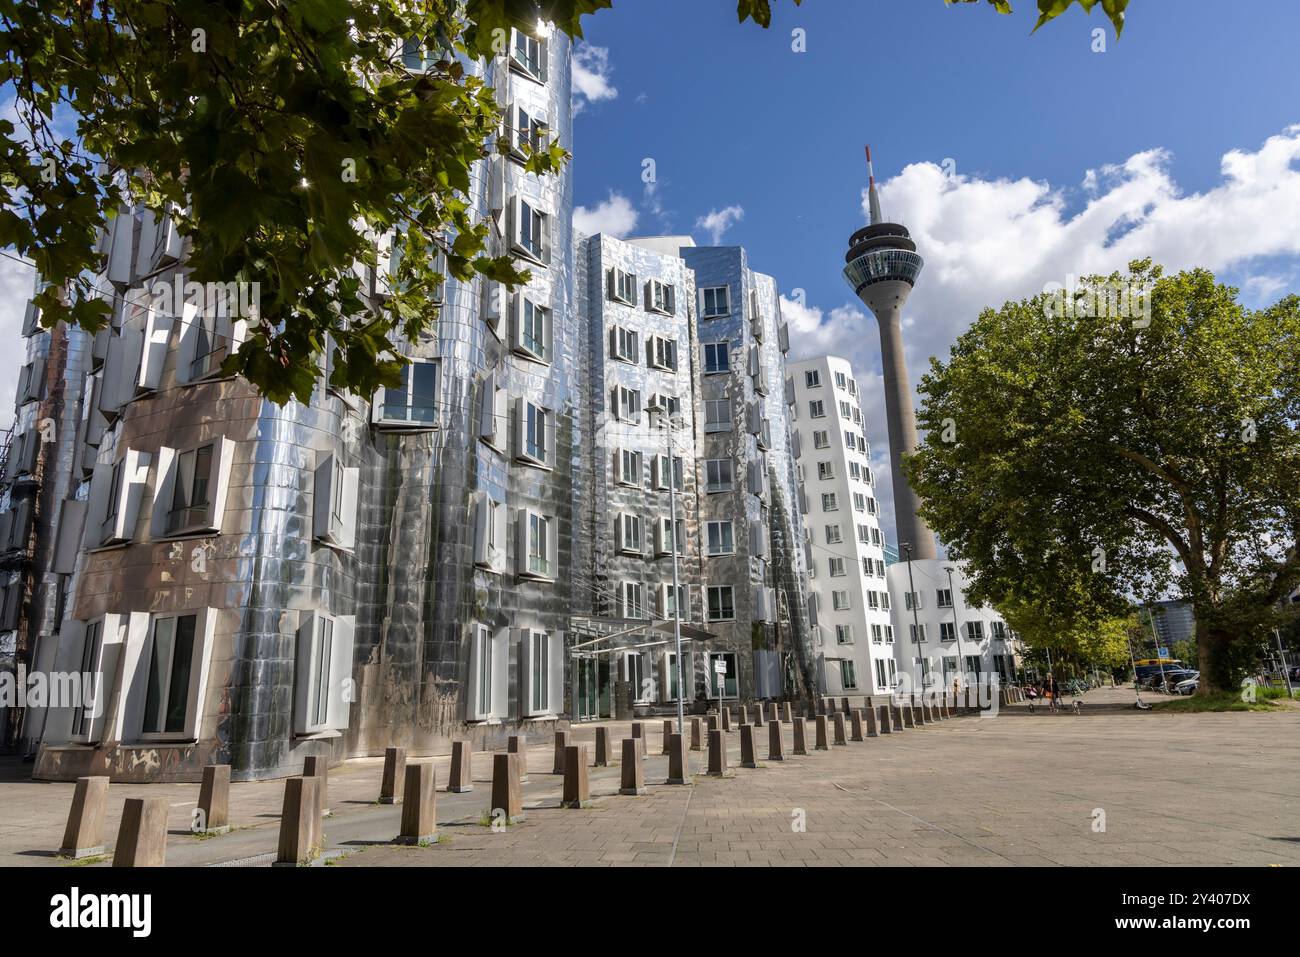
<point>1108,787</point>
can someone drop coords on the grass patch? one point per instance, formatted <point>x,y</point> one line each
<point>1266,699</point>
<point>83,861</point>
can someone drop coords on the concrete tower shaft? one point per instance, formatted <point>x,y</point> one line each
<point>882,266</point>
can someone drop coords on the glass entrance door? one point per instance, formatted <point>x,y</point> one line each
<point>586,696</point>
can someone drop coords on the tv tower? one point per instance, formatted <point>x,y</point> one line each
<point>882,266</point>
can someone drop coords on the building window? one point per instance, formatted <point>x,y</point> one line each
<point>947,631</point>
<point>719,475</point>
<point>841,381</point>
<point>622,287</point>
<point>717,415</point>
<point>537,545</point>
<point>715,301</point>
<point>633,606</point>
<point>172,660</point>
<point>864,534</point>
<point>912,601</point>
<point>660,297</point>
<point>536,429</point>
<point>943,598</point>
<point>663,353</point>
<point>825,471</point>
<point>812,379</point>
<point>844,410</point>
<point>666,541</point>
<point>975,630</point>
<point>844,634</point>
<point>324,665</point>
<point>414,401</point>
<point>627,404</point>
<point>539,654</point>
<point>84,716</point>
<point>873,600</point>
<point>529,133</point>
<point>623,344</point>
<point>528,56</point>
<point>334,505</point>
<point>533,323</point>
<point>821,440</point>
<point>830,502</point>
<point>877,634</point>
<point>721,538</point>
<point>717,357</point>
<point>837,567</point>
<point>917,632</point>
<point>998,629</point>
<point>859,502</point>
<point>629,468</point>
<point>530,232</point>
<point>722,604</point>
<point>840,601</point>
<point>628,528</point>
<point>833,535</point>
<point>848,675</point>
<point>817,409</point>
<point>482,663</point>
<point>881,679</point>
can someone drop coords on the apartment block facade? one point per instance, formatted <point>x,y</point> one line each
<point>845,547</point>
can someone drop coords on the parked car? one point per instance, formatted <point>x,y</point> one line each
<point>1187,687</point>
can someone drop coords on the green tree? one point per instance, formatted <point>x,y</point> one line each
<point>285,136</point>
<point>1122,449</point>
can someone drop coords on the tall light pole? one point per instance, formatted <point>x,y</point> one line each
<point>666,423</point>
<point>916,621</point>
<point>956,625</point>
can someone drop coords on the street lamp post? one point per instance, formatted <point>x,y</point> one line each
<point>916,621</point>
<point>666,423</point>
<point>956,625</point>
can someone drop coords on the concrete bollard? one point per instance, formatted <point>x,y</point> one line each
<point>775,746</point>
<point>577,785</point>
<point>821,744</point>
<point>517,744</point>
<point>884,719</point>
<point>695,734</point>
<point>717,754</point>
<point>462,768</point>
<point>601,759</point>
<point>315,766</point>
<point>747,757</point>
<point>214,800</point>
<point>507,795</point>
<point>638,735</point>
<point>744,714</point>
<point>800,736</point>
<point>846,707</point>
<point>713,723</point>
<point>726,720</point>
<point>840,736</point>
<point>909,719</point>
<point>84,834</point>
<point>390,788</point>
<point>300,831</point>
<point>677,767</point>
<point>419,806</point>
<point>856,725</point>
<point>668,732</point>
<point>870,715</point>
<point>633,782</point>
<point>896,714</point>
<point>787,715</point>
<point>830,707</point>
<point>142,835</point>
<point>561,743</point>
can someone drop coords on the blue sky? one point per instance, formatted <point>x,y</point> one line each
<point>1181,138</point>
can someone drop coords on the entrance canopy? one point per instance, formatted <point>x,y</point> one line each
<point>599,636</point>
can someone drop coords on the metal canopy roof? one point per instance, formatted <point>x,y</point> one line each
<point>591,632</point>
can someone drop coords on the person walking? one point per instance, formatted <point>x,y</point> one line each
<point>1052,690</point>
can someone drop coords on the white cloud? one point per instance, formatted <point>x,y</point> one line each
<point>988,241</point>
<point>614,216</point>
<point>16,279</point>
<point>718,221</point>
<point>591,71</point>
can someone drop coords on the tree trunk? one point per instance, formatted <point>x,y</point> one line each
<point>1212,654</point>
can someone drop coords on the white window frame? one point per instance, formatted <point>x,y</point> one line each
<point>725,535</point>
<point>720,590</point>
<point>713,305</point>
<point>713,352</point>
<point>140,660</point>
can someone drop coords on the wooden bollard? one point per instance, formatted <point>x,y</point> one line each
<point>870,715</point>
<point>747,757</point>
<point>214,801</point>
<point>462,768</point>
<point>855,728</point>
<point>507,795</point>
<point>601,759</point>
<point>695,734</point>
<point>677,767</point>
<point>419,806</point>
<point>638,735</point>
<point>390,788</point>
<point>561,743</point>
<point>821,744</point>
<point>633,778</point>
<point>717,754</point>
<point>800,736</point>
<point>314,766</point>
<point>884,719</point>
<point>669,727</point>
<point>577,785</point>
<point>517,744</point>
<point>300,829</point>
<point>142,835</point>
<point>726,719</point>
<point>775,747</point>
<point>787,715</point>
<point>84,834</point>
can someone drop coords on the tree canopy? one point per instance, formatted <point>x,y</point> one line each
<point>1122,449</point>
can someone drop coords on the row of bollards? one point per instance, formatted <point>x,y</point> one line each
<point>141,840</point>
